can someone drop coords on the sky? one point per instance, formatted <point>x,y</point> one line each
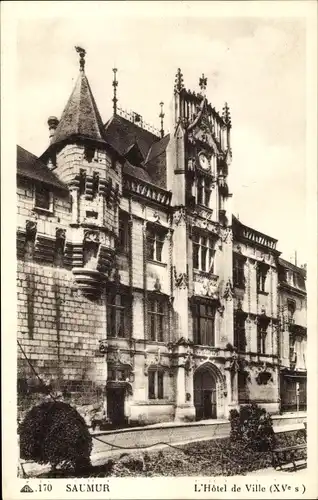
<point>256,64</point>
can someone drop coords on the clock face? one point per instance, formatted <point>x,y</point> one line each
<point>204,162</point>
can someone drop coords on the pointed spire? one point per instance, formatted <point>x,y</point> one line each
<point>161,116</point>
<point>178,81</point>
<point>203,84</point>
<point>80,116</point>
<point>115,84</point>
<point>82,54</point>
<point>226,115</point>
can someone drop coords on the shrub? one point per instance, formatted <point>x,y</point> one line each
<point>252,426</point>
<point>55,433</point>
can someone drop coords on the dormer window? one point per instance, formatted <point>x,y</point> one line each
<point>43,198</point>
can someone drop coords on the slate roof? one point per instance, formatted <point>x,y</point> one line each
<point>122,134</point>
<point>29,166</point>
<point>292,267</point>
<point>156,162</point>
<point>80,116</point>
<point>137,172</point>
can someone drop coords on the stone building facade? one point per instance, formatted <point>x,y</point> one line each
<point>140,297</point>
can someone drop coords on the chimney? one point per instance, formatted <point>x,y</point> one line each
<point>52,123</point>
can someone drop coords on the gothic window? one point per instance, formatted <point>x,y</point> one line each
<point>261,338</point>
<point>118,315</point>
<point>157,312</point>
<point>203,253</point>
<point>203,191</point>
<point>123,234</point>
<point>204,324</point>
<point>238,271</point>
<point>43,198</point>
<point>261,275</point>
<point>239,332</point>
<point>155,384</point>
<point>155,241</point>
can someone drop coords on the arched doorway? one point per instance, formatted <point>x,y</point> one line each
<point>206,388</point>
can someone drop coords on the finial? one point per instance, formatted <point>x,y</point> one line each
<point>178,85</point>
<point>82,53</point>
<point>115,84</point>
<point>161,116</point>
<point>52,123</point>
<point>203,83</point>
<point>226,115</point>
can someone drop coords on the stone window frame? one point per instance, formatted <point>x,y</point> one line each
<point>262,325</point>
<point>261,274</point>
<point>124,233</point>
<point>120,312</point>
<point>239,279</point>
<point>203,251</point>
<point>156,384</point>
<point>155,239</point>
<point>197,317</point>
<point>240,331</point>
<point>39,189</point>
<point>159,301</point>
<point>203,190</point>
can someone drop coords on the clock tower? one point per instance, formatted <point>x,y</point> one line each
<point>198,159</point>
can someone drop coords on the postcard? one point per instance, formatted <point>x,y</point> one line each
<point>159,250</point>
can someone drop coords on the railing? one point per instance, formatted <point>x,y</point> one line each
<point>142,188</point>
<point>138,120</point>
<point>259,238</point>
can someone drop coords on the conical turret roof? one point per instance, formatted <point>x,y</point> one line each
<point>80,116</point>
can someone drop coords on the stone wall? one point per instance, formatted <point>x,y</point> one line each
<point>59,333</point>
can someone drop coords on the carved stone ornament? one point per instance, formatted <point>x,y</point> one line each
<point>228,292</point>
<point>179,216</point>
<point>103,346</point>
<point>91,236</point>
<point>226,235</point>
<point>60,234</point>
<point>114,355</point>
<point>220,310</point>
<point>30,227</point>
<point>156,217</point>
<point>157,285</point>
<point>210,289</point>
<point>155,362</point>
<point>181,279</point>
<point>189,362</point>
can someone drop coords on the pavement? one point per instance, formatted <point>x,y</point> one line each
<point>150,438</point>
